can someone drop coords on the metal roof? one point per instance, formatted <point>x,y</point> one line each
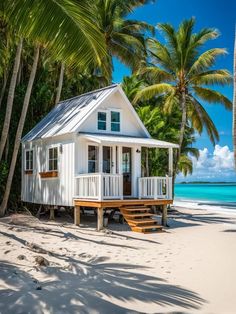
<point>124,140</point>
<point>68,115</point>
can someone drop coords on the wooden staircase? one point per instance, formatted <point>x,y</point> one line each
<point>140,219</point>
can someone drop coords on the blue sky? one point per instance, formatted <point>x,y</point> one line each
<point>219,14</point>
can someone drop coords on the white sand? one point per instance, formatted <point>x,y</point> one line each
<point>191,268</point>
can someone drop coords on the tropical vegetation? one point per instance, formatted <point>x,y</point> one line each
<point>52,50</point>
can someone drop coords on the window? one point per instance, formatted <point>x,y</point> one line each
<point>53,159</point>
<point>92,159</point>
<point>115,121</point>
<point>102,121</point>
<point>29,160</point>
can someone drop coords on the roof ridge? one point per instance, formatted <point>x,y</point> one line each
<point>87,93</point>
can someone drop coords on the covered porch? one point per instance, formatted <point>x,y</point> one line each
<point>113,177</point>
<point>113,165</point>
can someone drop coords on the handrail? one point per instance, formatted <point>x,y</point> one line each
<point>155,187</point>
<point>99,186</point>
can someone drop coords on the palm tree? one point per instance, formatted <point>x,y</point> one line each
<point>60,83</point>
<point>125,38</point>
<point>66,29</point>
<point>19,132</point>
<point>181,73</point>
<point>131,85</point>
<point>10,98</point>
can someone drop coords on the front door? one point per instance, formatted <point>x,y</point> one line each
<point>107,159</point>
<point>127,171</point>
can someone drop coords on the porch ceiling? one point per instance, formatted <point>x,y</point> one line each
<point>127,140</point>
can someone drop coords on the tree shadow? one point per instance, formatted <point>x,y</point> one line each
<point>189,220</point>
<point>69,236</point>
<point>229,230</point>
<point>96,288</point>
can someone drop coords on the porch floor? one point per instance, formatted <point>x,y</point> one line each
<point>120,203</point>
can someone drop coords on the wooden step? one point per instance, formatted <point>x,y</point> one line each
<point>145,209</point>
<point>141,221</point>
<point>138,215</point>
<point>145,229</point>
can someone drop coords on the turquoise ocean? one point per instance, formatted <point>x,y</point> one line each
<point>222,195</point>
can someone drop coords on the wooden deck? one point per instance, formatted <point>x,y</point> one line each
<point>120,203</point>
<point>101,205</point>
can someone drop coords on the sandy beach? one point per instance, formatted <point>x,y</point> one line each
<point>189,268</point>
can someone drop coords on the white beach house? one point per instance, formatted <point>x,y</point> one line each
<point>87,152</point>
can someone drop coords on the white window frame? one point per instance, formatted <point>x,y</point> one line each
<point>29,150</point>
<point>108,120</point>
<point>118,111</point>
<point>58,151</point>
<point>87,155</point>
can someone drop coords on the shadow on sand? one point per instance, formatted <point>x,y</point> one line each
<point>182,220</point>
<point>96,288</point>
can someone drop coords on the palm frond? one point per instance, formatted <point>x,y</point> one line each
<point>153,90</point>
<point>218,77</point>
<point>212,96</point>
<point>185,165</point>
<point>65,26</point>
<point>206,60</point>
<point>200,119</point>
<point>203,36</point>
<point>155,74</point>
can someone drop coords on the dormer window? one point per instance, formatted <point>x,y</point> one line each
<point>115,121</point>
<point>102,121</point>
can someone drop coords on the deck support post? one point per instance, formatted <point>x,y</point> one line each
<point>52,213</point>
<point>77,215</point>
<point>99,219</point>
<point>164,216</point>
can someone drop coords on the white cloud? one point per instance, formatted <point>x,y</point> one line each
<point>218,166</point>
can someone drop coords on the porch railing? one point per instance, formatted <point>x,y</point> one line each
<point>155,187</point>
<point>99,186</point>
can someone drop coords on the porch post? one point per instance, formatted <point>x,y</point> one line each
<point>114,161</point>
<point>170,164</point>
<point>170,174</point>
<point>100,159</point>
<point>77,215</point>
<point>119,162</point>
<point>99,219</point>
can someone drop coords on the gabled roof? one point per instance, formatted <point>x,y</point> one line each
<point>69,114</point>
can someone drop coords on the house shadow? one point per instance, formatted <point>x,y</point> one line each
<point>94,288</point>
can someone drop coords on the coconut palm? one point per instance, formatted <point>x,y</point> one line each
<point>182,74</point>
<point>125,38</point>
<point>65,28</point>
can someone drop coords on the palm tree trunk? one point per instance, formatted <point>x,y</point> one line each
<point>184,120</point>
<point>181,137</point>
<point>5,77</point>
<point>234,103</point>
<point>60,83</point>
<point>10,98</point>
<point>19,132</point>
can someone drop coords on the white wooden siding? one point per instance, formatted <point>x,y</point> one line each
<point>50,191</point>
